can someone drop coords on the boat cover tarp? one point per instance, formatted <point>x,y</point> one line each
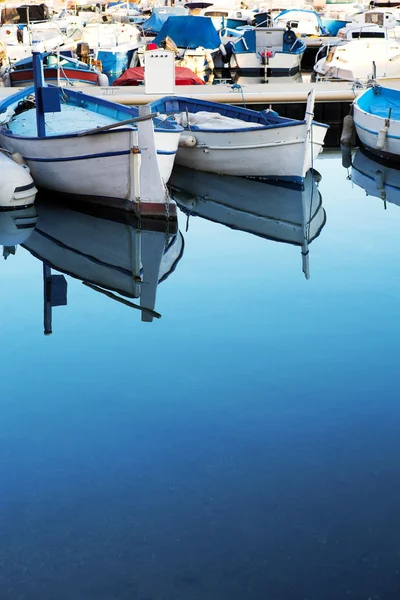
<point>155,22</point>
<point>292,11</point>
<point>18,14</point>
<point>37,12</point>
<point>190,32</point>
<point>213,120</point>
<point>160,15</point>
<point>128,5</point>
<point>135,76</point>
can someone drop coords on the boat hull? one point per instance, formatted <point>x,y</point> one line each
<point>276,153</point>
<point>17,186</point>
<point>92,166</point>
<point>24,77</point>
<point>369,125</point>
<point>281,63</point>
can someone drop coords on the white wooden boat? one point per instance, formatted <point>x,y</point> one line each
<point>62,70</point>
<point>17,187</point>
<point>378,177</point>
<point>287,213</point>
<point>111,255</point>
<point>237,141</point>
<point>90,148</point>
<point>376,114</point>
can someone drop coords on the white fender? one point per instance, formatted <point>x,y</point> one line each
<point>102,80</point>
<point>19,159</point>
<point>209,60</point>
<point>380,142</point>
<point>187,141</point>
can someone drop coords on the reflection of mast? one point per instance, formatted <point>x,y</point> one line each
<point>54,294</point>
<point>305,253</point>
<point>152,250</point>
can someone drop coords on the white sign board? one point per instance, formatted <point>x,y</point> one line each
<point>159,72</point>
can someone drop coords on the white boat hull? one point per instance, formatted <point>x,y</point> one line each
<point>368,127</point>
<point>17,187</point>
<point>356,60</point>
<point>280,64</point>
<point>100,165</point>
<point>275,153</point>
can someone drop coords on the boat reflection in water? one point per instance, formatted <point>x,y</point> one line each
<point>377,176</point>
<point>16,226</point>
<point>109,251</point>
<point>277,211</point>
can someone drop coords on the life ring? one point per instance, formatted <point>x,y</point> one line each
<point>289,37</point>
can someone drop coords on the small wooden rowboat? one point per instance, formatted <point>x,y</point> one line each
<point>228,140</point>
<point>89,146</point>
<point>377,121</point>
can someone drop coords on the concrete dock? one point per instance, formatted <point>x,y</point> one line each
<point>253,94</point>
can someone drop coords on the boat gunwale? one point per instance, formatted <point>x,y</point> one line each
<point>162,126</point>
<point>257,115</point>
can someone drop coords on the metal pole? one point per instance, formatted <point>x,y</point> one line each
<point>38,81</point>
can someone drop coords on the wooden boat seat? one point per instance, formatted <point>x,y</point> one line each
<point>76,119</point>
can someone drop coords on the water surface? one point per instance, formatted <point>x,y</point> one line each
<point>245,445</point>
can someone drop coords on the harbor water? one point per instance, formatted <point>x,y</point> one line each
<point>245,445</point>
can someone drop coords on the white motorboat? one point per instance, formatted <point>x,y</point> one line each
<point>275,50</point>
<point>362,57</point>
<point>303,22</point>
<point>113,44</point>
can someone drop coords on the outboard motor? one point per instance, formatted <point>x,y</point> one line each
<point>226,52</point>
<point>289,37</point>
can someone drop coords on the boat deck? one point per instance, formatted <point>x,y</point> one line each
<point>75,118</point>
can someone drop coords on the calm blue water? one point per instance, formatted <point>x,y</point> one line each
<point>243,446</point>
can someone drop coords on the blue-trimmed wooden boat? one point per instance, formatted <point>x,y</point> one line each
<point>377,120</point>
<point>68,70</point>
<point>229,140</point>
<point>89,148</point>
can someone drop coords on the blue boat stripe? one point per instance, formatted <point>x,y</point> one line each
<point>89,156</point>
<point>394,137</point>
